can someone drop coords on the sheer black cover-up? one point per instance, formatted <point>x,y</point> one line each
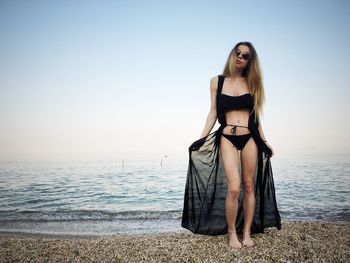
<point>206,186</point>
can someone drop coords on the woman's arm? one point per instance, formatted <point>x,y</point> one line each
<point>212,115</point>
<point>262,135</point>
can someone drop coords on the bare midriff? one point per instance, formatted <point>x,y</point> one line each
<point>237,117</point>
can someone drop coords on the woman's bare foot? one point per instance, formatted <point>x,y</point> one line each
<point>233,240</point>
<point>247,241</point>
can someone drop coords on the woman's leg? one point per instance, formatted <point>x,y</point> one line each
<point>249,155</point>
<point>229,155</point>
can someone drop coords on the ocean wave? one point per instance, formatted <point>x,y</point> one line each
<point>81,215</point>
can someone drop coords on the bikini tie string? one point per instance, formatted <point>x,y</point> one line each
<point>233,129</point>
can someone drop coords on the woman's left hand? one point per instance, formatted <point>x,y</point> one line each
<point>268,145</point>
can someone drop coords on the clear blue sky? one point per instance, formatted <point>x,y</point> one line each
<point>131,78</point>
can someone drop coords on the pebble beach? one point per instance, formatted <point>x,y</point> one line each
<point>297,241</point>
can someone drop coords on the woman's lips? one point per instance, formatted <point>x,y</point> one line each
<point>238,62</point>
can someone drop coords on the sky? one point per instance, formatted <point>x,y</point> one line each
<point>130,79</point>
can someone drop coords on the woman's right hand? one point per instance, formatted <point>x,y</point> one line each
<point>195,146</point>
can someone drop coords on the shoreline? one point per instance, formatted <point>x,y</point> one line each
<point>297,241</point>
<point>65,229</point>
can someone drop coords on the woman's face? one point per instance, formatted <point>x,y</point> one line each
<point>241,56</point>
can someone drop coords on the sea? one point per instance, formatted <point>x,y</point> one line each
<point>106,196</point>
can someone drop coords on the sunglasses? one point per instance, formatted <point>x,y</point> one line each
<point>245,56</point>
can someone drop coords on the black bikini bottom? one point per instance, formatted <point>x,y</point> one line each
<point>239,141</point>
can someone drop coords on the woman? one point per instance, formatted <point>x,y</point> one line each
<point>213,202</point>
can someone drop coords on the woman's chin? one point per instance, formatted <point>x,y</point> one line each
<point>239,67</point>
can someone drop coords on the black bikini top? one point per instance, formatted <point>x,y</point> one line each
<point>227,102</point>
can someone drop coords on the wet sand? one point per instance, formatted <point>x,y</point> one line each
<point>296,242</point>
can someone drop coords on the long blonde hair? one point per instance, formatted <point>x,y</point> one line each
<point>253,75</point>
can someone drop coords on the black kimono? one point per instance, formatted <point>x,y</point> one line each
<point>206,186</point>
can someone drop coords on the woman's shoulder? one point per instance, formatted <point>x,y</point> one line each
<point>216,77</point>
<point>214,81</point>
